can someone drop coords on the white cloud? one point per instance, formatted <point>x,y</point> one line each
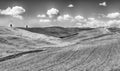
<point>60,18</point>
<point>70,5</point>
<point>78,17</point>
<point>65,17</point>
<point>18,16</point>
<point>91,22</point>
<point>103,4</point>
<point>41,16</point>
<point>91,19</point>
<point>53,12</point>
<point>113,15</point>
<point>14,11</point>
<point>113,23</point>
<point>44,20</point>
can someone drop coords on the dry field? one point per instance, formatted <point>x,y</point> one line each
<point>62,50</point>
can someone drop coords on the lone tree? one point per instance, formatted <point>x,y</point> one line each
<point>26,26</point>
<point>11,25</point>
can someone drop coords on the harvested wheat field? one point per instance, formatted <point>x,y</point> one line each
<point>96,49</point>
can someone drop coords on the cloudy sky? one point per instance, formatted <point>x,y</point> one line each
<point>66,13</point>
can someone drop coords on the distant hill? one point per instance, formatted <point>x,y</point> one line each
<point>62,32</point>
<point>56,31</point>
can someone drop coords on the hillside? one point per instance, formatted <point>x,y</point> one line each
<point>56,31</point>
<point>59,49</point>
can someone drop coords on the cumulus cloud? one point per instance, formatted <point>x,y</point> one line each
<point>91,19</point>
<point>113,15</point>
<point>15,11</point>
<point>41,16</point>
<point>65,17</point>
<point>113,23</point>
<point>53,13</point>
<point>82,21</point>
<point>18,16</point>
<point>44,20</point>
<point>60,18</point>
<point>91,22</point>
<point>78,17</point>
<point>70,5</point>
<point>103,4</point>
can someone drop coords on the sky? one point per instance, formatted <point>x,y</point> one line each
<point>65,13</point>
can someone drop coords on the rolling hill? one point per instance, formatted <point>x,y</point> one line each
<point>59,49</point>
